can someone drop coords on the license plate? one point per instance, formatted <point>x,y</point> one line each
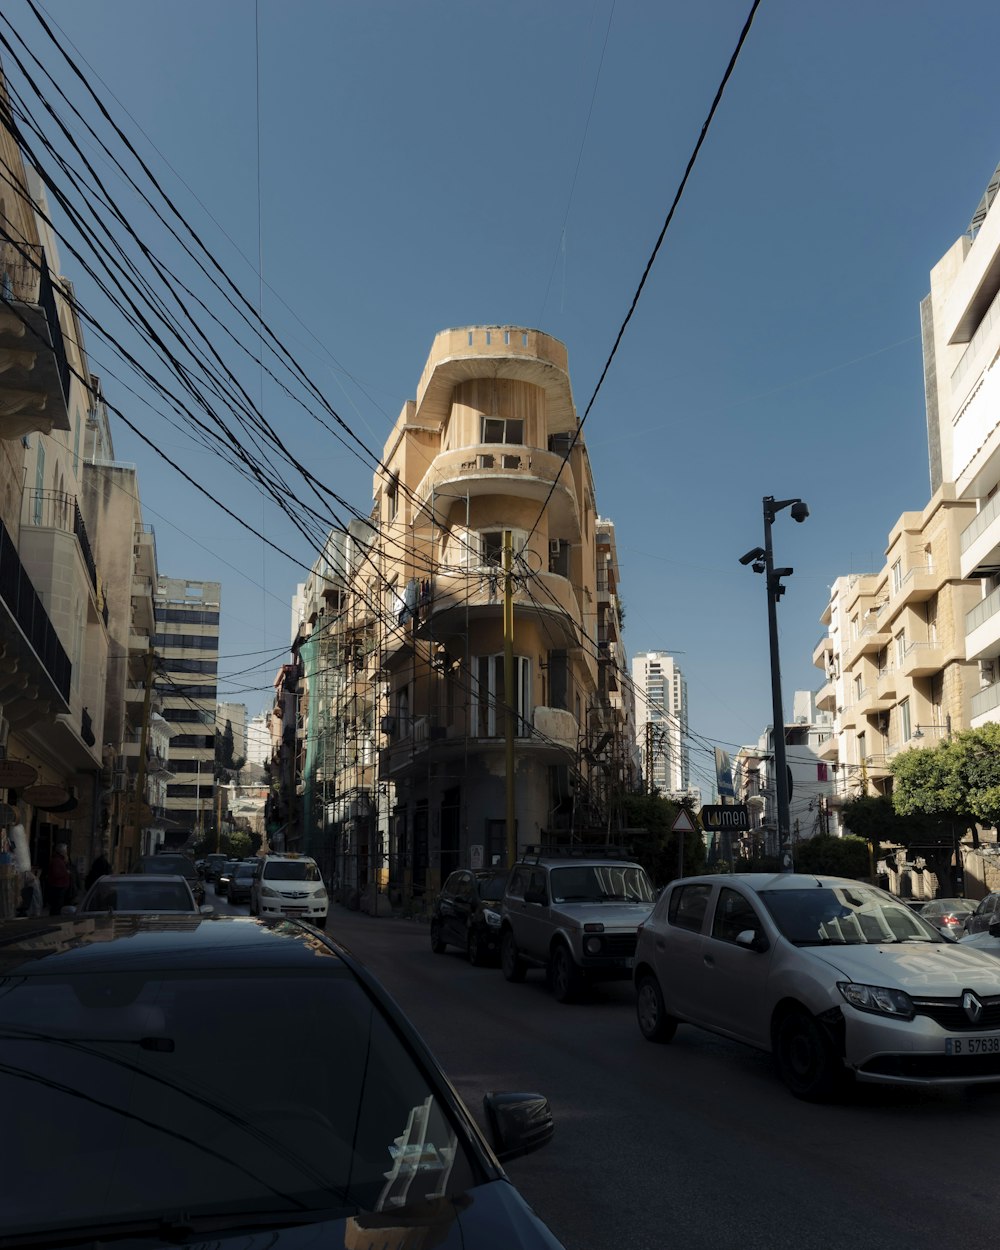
<point>972,1045</point>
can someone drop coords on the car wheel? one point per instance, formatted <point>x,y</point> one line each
<point>567,979</point>
<point>438,945</point>
<point>807,1061</point>
<point>474,949</point>
<point>654,1023</point>
<point>510,961</point>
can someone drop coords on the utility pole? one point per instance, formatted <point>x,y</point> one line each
<point>135,807</point>
<point>508,685</point>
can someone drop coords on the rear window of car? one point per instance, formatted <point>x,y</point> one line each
<point>169,866</point>
<point>688,904</point>
<point>291,870</point>
<point>245,870</point>
<point>138,896</point>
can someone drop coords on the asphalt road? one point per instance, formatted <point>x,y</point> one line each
<point>695,1144</point>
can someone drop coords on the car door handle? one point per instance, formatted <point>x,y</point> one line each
<point>709,961</point>
<point>660,944</point>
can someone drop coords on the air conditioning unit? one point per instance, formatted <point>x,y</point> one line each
<point>555,546</point>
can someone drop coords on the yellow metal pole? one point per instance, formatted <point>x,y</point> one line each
<point>509,693</point>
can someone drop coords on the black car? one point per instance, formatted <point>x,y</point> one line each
<point>467,914</point>
<point>129,1035</point>
<point>223,875</point>
<point>172,866</point>
<point>241,878</point>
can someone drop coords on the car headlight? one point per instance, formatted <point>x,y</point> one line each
<point>492,918</point>
<point>268,892</point>
<point>878,998</point>
<point>320,894</point>
<point>592,945</point>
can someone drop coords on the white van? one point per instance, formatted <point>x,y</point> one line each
<point>289,885</point>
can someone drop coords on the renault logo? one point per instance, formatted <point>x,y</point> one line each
<point>972,1007</point>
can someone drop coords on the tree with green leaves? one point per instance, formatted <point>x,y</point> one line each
<point>828,855</point>
<point>953,786</point>
<point>227,763</point>
<point>649,818</point>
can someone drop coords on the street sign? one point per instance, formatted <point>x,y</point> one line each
<point>732,816</point>
<point>683,822</point>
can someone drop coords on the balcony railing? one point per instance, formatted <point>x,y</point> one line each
<point>24,279</point>
<point>54,509</point>
<point>969,355</point>
<point>982,612</point>
<point>981,523</point>
<point>986,700</point>
<point>23,603</point>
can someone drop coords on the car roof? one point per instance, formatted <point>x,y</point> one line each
<point>758,881</point>
<point>106,943</point>
<point>142,879</point>
<point>575,861</point>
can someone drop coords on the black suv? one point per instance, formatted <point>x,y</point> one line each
<point>467,914</point>
<point>575,914</point>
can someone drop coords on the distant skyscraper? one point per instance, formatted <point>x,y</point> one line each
<point>187,649</point>
<point>661,713</point>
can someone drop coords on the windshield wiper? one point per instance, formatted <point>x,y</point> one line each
<point>176,1228</point>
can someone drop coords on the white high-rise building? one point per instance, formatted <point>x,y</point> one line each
<point>258,740</point>
<point>661,713</point>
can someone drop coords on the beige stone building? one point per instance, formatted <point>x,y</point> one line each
<point>402,767</point>
<point>893,655</point>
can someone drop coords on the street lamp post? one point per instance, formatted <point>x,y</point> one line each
<point>762,561</point>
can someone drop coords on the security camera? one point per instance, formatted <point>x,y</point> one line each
<point>758,566</point>
<point>800,511</point>
<point>756,554</point>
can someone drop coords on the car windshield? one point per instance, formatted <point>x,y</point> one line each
<point>138,896</point>
<point>845,915</point>
<point>291,870</point>
<point>244,870</point>
<point>491,888</point>
<point>161,1105</point>
<point>596,883</point>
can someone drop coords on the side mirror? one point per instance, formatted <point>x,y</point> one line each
<point>519,1123</point>
<point>753,941</point>
<point>994,928</point>
<point>536,896</point>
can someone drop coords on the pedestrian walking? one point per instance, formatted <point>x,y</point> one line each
<point>57,879</point>
<point>99,868</point>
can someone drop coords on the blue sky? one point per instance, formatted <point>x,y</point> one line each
<point>441,163</point>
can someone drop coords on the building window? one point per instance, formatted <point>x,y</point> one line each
<point>488,702</point>
<point>900,646</point>
<point>502,430</point>
<point>491,547</point>
<point>858,688</point>
<point>897,575</point>
<point>904,720</point>
<point>855,628</point>
<point>392,498</point>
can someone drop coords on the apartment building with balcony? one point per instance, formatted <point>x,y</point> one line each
<point>486,448</point>
<point>961,347</point>
<point>893,658</point>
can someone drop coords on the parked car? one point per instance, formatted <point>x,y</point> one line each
<point>241,882</point>
<point>136,894</point>
<point>832,976</point>
<point>225,872</point>
<point>289,885</point>
<point>169,865</point>
<point>948,915</point>
<point>987,912</point>
<point>214,864</point>
<point>575,917</point>
<point>130,1035</point>
<point>987,941</point>
<point>466,914</point>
